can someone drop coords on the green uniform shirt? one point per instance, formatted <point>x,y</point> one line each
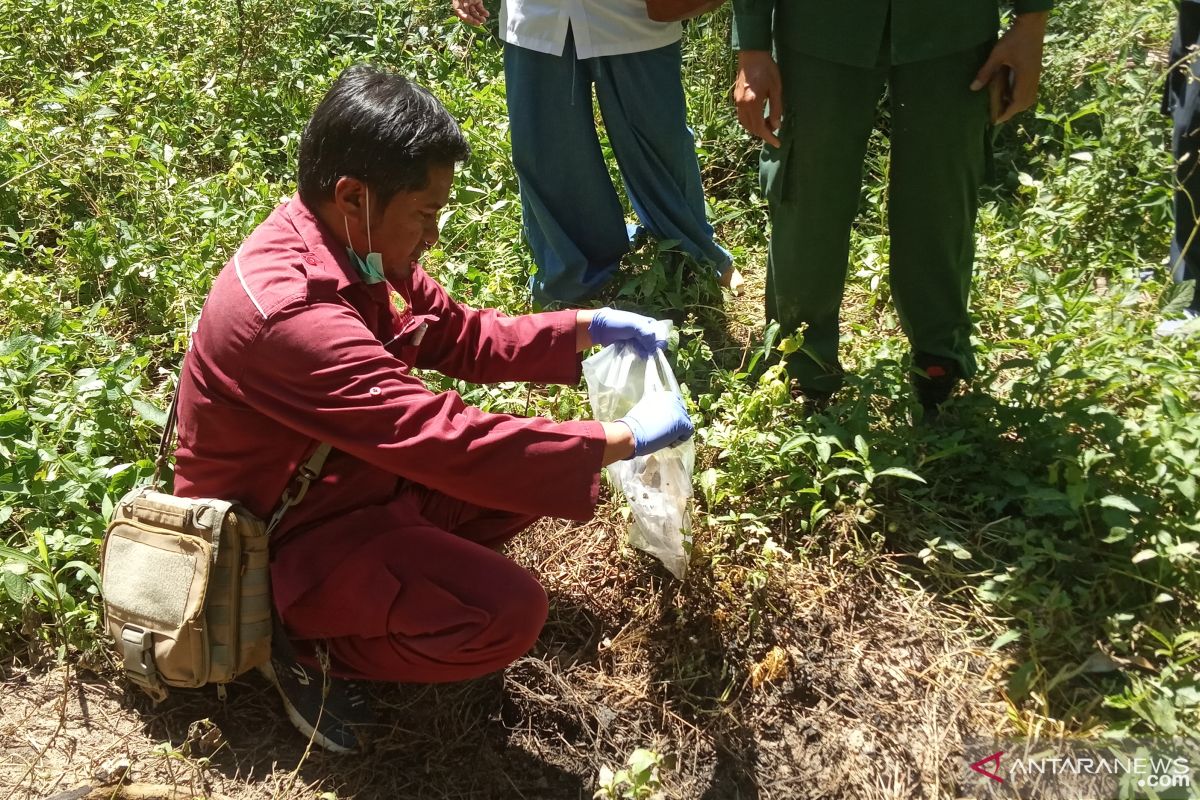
<point>851,31</point>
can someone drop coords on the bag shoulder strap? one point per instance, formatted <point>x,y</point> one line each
<point>164,443</point>
<point>308,472</point>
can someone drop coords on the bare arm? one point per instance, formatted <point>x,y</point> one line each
<point>583,337</point>
<point>618,442</point>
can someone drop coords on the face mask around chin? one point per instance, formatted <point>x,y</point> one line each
<point>371,267</point>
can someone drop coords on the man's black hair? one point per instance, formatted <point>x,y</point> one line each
<point>380,128</point>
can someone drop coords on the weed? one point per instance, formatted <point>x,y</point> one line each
<point>1056,500</point>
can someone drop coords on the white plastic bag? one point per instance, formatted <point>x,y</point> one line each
<point>658,486</point>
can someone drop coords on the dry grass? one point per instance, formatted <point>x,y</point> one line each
<point>832,682</point>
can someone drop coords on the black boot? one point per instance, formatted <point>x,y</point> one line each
<point>933,380</point>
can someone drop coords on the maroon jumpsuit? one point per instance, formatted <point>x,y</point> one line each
<point>390,557</point>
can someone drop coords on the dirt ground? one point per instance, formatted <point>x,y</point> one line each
<point>831,677</point>
<point>846,685</point>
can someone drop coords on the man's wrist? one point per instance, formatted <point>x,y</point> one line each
<point>1032,20</point>
<point>751,31</point>
<point>753,55</point>
<point>619,441</point>
<point>583,336</point>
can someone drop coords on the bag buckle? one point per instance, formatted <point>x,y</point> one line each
<point>137,645</point>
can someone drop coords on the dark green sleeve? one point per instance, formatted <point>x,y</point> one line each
<point>752,24</point>
<point>1025,6</point>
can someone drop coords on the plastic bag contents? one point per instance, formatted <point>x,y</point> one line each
<point>658,486</point>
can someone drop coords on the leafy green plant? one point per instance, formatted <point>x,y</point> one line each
<point>637,780</point>
<point>1056,503</point>
<point>55,588</point>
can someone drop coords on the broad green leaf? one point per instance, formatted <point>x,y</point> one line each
<point>642,761</point>
<point>1187,487</point>
<point>1177,298</point>
<point>1021,680</point>
<point>82,568</point>
<point>11,554</point>
<point>790,344</point>
<point>16,344</point>
<point>1006,638</point>
<point>12,416</point>
<point>1116,534</point>
<point>860,447</point>
<point>149,412</point>
<point>17,587</point>
<point>1116,501</point>
<point>900,472</point>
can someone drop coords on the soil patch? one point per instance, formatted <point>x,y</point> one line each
<point>844,684</point>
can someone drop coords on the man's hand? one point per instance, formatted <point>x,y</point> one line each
<point>758,84</point>
<point>1014,67</point>
<point>471,11</point>
<point>609,326</point>
<point>658,420</point>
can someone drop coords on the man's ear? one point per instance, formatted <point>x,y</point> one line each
<point>350,198</point>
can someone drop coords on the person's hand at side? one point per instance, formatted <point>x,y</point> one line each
<point>606,326</point>
<point>758,93</point>
<point>1014,68</point>
<point>659,420</point>
<point>471,11</point>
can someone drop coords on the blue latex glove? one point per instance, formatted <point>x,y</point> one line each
<point>609,326</point>
<point>658,420</point>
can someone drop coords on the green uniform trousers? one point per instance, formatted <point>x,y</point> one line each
<point>813,181</point>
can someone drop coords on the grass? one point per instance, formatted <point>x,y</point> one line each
<point>1055,511</point>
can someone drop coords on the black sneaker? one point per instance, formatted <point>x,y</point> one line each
<point>323,708</point>
<point>933,379</point>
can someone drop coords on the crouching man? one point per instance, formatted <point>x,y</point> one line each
<point>388,570</point>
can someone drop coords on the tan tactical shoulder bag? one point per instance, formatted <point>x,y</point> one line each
<point>186,585</point>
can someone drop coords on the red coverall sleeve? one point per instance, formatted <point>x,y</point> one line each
<point>317,369</point>
<point>486,346</point>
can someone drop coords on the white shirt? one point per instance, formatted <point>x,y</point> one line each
<point>600,27</point>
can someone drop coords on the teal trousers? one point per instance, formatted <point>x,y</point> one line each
<point>814,179</point>
<point>572,216</point>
